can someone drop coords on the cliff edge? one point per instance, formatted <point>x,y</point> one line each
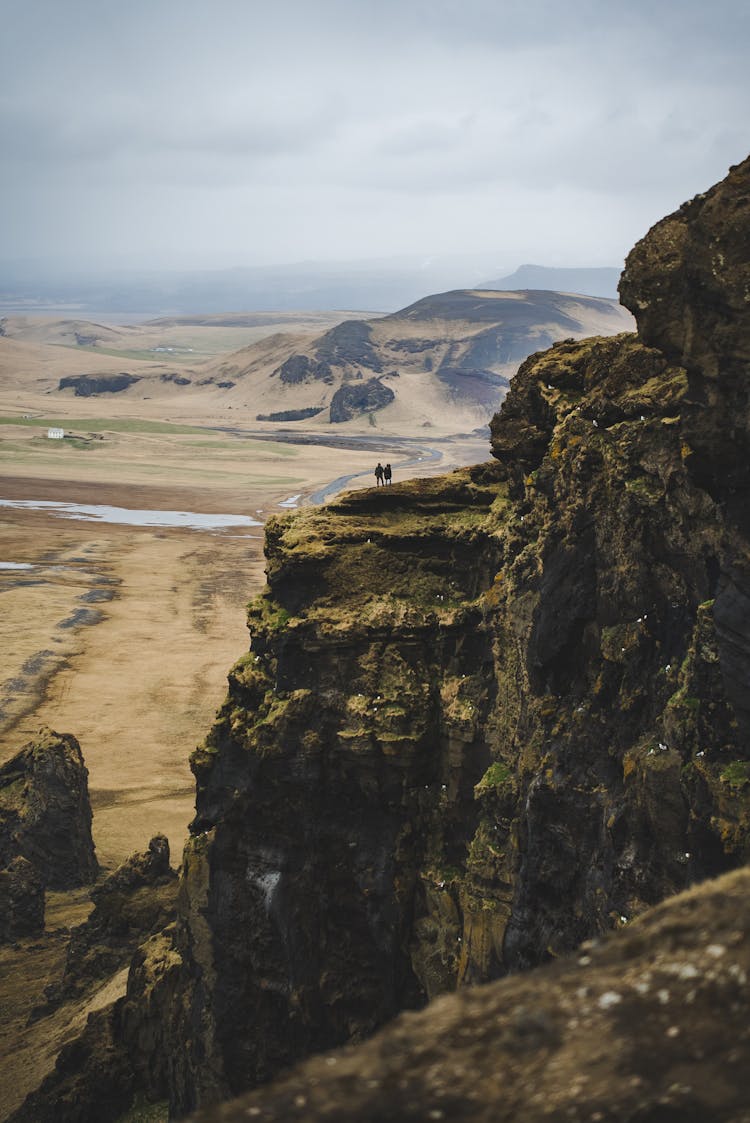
<point>487,717</point>
<point>482,718</point>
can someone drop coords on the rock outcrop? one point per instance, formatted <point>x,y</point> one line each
<point>301,368</point>
<point>648,1025</point>
<point>130,905</point>
<point>355,398</point>
<point>45,813</point>
<point>482,719</point>
<point>87,385</point>
<point>21,901</point>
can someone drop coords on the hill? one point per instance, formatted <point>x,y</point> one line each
<point>443,362</point>
<point>594,282</point>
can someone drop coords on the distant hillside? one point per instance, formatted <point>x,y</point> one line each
<point>443,362</point>
<point>593,282</point>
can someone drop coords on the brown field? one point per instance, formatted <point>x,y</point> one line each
<point>124,635</point>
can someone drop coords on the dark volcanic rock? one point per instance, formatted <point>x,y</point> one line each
<point>45,814</point>
<point>21,901</point>
<point>349,342</point>
<point>290,414</point>
<point>177,379</point>
<point>484,718</point>
<point>87,385</point>
<point>92,1081</point>
<point>649,1025</point>
<point>138,899</point>
<point>355,398</point>
<point>301,368</point>
<point>687,285</point>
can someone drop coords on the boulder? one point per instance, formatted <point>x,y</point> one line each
<point>355,398</point>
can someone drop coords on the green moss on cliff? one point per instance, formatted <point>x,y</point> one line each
<point>736,774</point>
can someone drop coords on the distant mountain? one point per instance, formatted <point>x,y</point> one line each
<point>375,285</point>
<point>444,361</point>
<point>592,282</point>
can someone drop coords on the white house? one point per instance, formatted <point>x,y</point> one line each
<point>55,434</point>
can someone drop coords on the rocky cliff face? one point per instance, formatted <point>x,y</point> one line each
<point>650,1025</point>
<point>482,718</point>
<point>134,902</point>
<point>486,717</point>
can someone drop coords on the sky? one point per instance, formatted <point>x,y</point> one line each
<point>184,134</point>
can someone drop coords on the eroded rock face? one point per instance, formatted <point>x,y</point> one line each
<point>45,813</point>
<point>649,1025</point>
<point>301,368</point>
<point>135,901</point>
<point>355,398</point>
<point>482,718</point>
<point>87,386</point>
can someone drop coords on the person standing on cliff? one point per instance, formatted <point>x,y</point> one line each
<point>379,475</point>
<point>387,473</point>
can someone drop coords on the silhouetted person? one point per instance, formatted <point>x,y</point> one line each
<point>379,472</point>
<point>387,473</point>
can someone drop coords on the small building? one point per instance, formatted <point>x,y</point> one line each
<point>55,434</point>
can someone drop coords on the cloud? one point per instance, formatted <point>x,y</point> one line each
<point>348,130</point>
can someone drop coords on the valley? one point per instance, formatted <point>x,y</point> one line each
<point>123,609</point>
<point>123,634</point>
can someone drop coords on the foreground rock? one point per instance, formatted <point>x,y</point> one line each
<point>651,1024</point>
<point>482,718</point>
<point>45,813</point>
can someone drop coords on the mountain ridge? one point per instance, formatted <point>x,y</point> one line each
<point>592,281</point>
<point>453,354</point>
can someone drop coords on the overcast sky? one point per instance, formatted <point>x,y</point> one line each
<point>240,132</point>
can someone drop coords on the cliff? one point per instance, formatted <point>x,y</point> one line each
<point>482,718</point>
<point>487,717</point>
<point>649,1025</point>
